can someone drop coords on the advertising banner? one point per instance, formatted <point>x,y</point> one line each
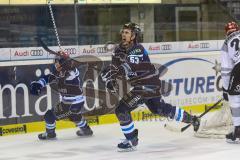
<point>123,1</point>
<point>98,1</point>
<point>17,105</point>
<point>161,48</point>
<point>62,1</point>
<point>96,50</point>
<point>38,53</point>
<point>191,46</point>
<point>4,2</point>
<point>150,1</point>
<point>194,79</point>
<point>27,2</point>
<point>28,53</point>
<point>30,2</point>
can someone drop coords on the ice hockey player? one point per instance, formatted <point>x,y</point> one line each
<point>230,71</point>
<point>65,79</point>
<point>131,62</point>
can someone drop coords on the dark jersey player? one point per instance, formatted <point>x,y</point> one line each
<point>65,80</point>
<point>131,62</point>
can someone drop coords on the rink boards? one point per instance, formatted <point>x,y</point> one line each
<point>194,77</point>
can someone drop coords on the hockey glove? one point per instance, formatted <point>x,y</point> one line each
<point>110,72</point>
<point>112,86</point>
<point>125,70</point>
<point>225,94</point>
<point>35,88</point>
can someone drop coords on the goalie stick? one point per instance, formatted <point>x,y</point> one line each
<point>201,115</point>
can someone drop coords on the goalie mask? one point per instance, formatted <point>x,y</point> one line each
<point>231,27</point>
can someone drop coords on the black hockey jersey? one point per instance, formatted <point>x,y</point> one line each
<point>69,86</point>
<point>143,75</point>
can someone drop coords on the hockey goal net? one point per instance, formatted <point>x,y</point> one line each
<point>215,124</point>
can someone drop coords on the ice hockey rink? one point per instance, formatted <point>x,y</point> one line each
<point>155,143</point>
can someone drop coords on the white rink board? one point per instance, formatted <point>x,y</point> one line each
<point>29,53</point>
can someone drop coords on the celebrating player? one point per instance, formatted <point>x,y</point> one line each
<point>65,79</point>
<point>131,62</point>
<point>230,71</point>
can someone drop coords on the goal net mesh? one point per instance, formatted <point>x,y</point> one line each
<point>216,124</point>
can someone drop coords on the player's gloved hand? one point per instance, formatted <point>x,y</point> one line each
<point>110,72</point>
<point>112,86</point>
<point>225,94</point>
<point>126,71</point>
<point>35,88</point>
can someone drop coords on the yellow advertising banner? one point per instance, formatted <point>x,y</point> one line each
<point>62,1</point>
<point>124,1</point>
<point>150,1</point>
<point>4,2</point>
<point>31,2</point>
<point>27,2</point>
<point>98,1</point>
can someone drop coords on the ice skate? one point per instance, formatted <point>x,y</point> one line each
<point>129,145</point>
<point>85,132</point>
<point>48,135</point>
<point>234,137</point>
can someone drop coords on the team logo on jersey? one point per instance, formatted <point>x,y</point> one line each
<point>135,51</point>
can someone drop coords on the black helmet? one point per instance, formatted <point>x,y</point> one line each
<point>135,28</point>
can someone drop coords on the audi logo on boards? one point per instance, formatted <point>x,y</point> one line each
<point>166,47</point>
<point>36,52</point>
<point>204,45</point>
<point>101,50</point>
<point>70,51</point>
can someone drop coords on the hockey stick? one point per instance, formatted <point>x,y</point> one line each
<point>65,56</point>
<point>201,115</point>
<point>45,47</point>
<point>54,23</point>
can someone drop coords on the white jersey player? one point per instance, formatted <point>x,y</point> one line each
<point>230,71</point>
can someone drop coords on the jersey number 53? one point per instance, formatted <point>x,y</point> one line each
<point>134,59</point>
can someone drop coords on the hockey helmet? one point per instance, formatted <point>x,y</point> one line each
<point>231,27</point>
<point>135,28</point>
<point>63,62</point>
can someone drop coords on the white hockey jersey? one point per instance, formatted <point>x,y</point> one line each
<point>230,56</point>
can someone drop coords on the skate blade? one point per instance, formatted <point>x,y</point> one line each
<point>48,139</point>
<point>85,136</point>
<point>132,149</point>
<point>237,141</point>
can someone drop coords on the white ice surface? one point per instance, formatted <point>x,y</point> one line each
<point>155,143</point>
